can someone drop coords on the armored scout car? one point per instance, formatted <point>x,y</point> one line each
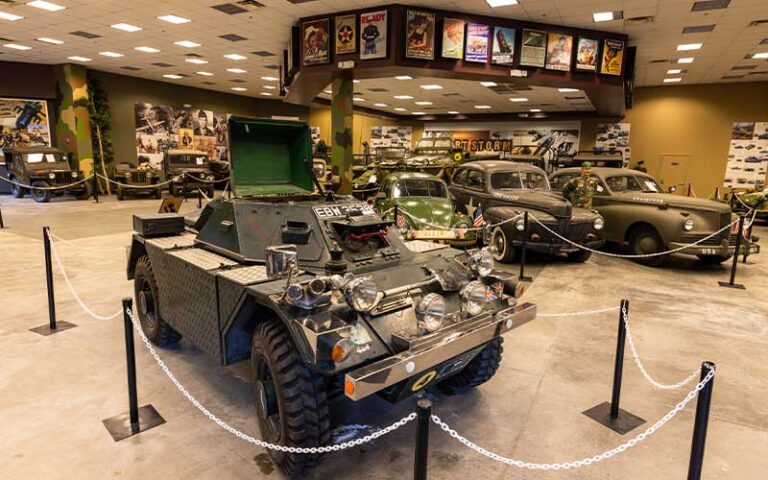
<point>317,291</point>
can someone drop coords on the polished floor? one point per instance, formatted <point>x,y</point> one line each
<point>55,391</point>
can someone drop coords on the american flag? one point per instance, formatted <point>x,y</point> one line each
<point>479,220</point>
<point>400,220</point>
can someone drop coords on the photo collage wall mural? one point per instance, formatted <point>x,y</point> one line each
<point>385,137</point>
<point>747,155</point>
<point>24,123</point>
<point>160,128</point>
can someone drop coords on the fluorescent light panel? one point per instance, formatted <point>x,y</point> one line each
<point>518,100</point>
<point>239,89</point>
<point>175,19</point>
<point>358,99</point>
<point>270,79</point>
<point>685,60</point>
<point>403,77</point>
<point>488,84</point>
<point>607,16</point>
<point>760,55</point>
<point>482,107</point>
<point>111,54</point>
<point>266,94</point>
<point>196,61</point>
<point>535,110</point>
<point>432,87</point>
<point>187,44</point>
<point>50,40</point>
<point>567,90</point>
<point>126,27</point>
<point>9,16</point>
<point>453,112</point>
<point>146,49</point>
<point>51,7</point>
<point>423,103</point>
<point>674,71</point>
<point>172,76</point>
<point>689,46</point>
<point>16,46</point>
<point>236,70</point>
<point>78,58</point>
<point>418,113</point>
<point>205,74</point>
<point>403,97</point>
<point>673,80</point>
<point>382,105</point>
<point>235,56</point>
<point>269,87</point>
<point>400,109</point>
<point>501,3</point>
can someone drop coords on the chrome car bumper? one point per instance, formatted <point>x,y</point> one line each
<point>431,350</point>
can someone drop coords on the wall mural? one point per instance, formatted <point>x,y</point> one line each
<point>614,137</point>
<point>24,123</point>
<point>391,137</point>
<point>160,128</point>
<point>747,155</point>
<point>547,142</point>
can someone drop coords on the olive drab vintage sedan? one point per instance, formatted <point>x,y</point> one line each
<point>641,215</point>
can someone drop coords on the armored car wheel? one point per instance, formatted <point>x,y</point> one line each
<point>148,307</point>
<point>579,256</point>
<point>479,370</point>
<point>16,191</point>
<point>41,196</point>
<point>503,250</point>
<point>291,401</point>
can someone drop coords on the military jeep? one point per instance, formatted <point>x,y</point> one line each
<point>145,179</point>
<point>46,168</point>
<point>188,171</point>
<point>318,292</point>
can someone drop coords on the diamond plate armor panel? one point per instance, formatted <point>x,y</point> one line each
<point>176,241</point>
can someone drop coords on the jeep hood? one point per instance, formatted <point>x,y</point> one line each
<point>548,202</point>
<point>675,201</point>
<point>437,211</point>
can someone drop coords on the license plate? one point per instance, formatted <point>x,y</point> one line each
<point>433,234</point>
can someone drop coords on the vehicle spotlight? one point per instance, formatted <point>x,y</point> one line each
<point>475,298</point>
<point>481,262</point>
<point>431,312</point>
<point>599,223</point>
<point>688,225</point>
<point>362,294</point>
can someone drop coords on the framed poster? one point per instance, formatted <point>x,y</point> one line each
<point>534,48</point>
<point>559,52</point>
<point>24,123</point>
<point>613,57</point>
<point>373,35</point>
<point>453,38</point>
<point>345,34</point>
<point>420,35</point>
<point>503,52</point>
<point>476,49</point>
<point>587,54</point>
<point>315,42</point>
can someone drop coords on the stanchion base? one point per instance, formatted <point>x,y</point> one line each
<point>625,423</point>
<point>120,426</point>
<point>737,286</point>
<point>46,330</point>
<point>525,279</point>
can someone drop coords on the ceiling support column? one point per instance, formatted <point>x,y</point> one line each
<point>342,87</point>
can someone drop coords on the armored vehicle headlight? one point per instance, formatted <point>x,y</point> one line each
<point>520,225</point>
<point>341,350</point>
<point>475,298</point>
<point>317,286</point>
<point>52,175</point>
<point>599,223</point>
<point>431,311</point>
<point>295,292</point>
<point>688,225</point>
<point>74,174</point>
<point>362,294</point>
<point>481,262</point>
<point>127,175</point>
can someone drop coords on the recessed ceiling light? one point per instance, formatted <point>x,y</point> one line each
<point>327,91</point>
<point>453,112</point>
<point>51,7</point>
<point>423,103</point>
<point>50,40</point>
<point>147,49</point>
<point>235,56</point>
<point>174,19</point>
<point>358,99</point>
<point>187,44</point>
<point>482,107</point>
<point>266,94</point>
<point>432,87</point>
<point>111,54</point>
<point>567,90</point>
<point>269,87</point>
<point>270,79</point>
<point>501,3</point>
<point>674,71</point>
<point>403,77</point>
<point>237,70</point>
<point>126,27</point>
<point>172,76</point>
<point>418,113</point>
<point>239,89</point>
<point>519,99</point>
<point>535,110</point>
<point>196,61</point>
<point>382,105</point>
<point>400,109</point>
<point>489,84</point>
<point>673,80</point>
<point>689,46</point>
<point>607,16</point>
<point>685,60</point>
<point>205,74</point>
<point>16,46</point>
<point>9,16</point>
<point>78,58</point>
<point>760,55</point>
<point>403,97</point>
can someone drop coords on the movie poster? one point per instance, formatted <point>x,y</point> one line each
<point>23,123</point>
<point>534,48</point>
<point>559,52</point>
<point>747,156</point>
<point>453,38</point>
<point>373,35</point>
<point>420,35</point>
<point>586,54</point>
<point>613,57</point>
<point>503,46</point>
<point>477,43</point>
<point>345,34</point>
<point>315,40</point>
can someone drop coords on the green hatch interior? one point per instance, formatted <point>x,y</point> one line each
<point>269,157</point>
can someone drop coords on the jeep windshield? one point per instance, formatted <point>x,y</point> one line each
<point>189,160</point>
<point>519,180</point>
<point>632,183</point>
<point>419,187</point>
<point>43,158</point>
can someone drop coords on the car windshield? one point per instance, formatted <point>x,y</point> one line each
<point>517,180</point>
<point>419,187</point>
<point>633,183</point>
<point>189,159</point>
<point>44,158</point>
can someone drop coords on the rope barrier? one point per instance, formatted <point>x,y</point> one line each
<point>443,227</point>
<point>30,187</point>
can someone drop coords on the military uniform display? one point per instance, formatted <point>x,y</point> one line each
<point>580,191</point>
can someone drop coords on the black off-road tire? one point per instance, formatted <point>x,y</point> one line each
<point>210,193</point>
<point>283,385</point>
<point>713,259</point>
<point>158,194</point>
<point>579,256</point>
<point>504,251</point>
<point>148,306</point>
<point>478,371</point>
<point>645,234</point>
<point>16,191</point>
<point>85,193</point>
<point>120,194</point>
<point>41,196</point>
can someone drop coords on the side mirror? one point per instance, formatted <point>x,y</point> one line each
<point>672,189</point>
<point>281,261</point>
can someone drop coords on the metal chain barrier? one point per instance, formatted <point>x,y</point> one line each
<point>645,255</point>
<point>30,187</point>
<point>244,436</point>
<point>586,461</point>
<point>641,367</point>
<point>138,187</point>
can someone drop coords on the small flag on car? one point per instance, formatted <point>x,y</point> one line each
<point>479,220</point>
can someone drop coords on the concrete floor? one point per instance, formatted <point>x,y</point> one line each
<point>55,391</point>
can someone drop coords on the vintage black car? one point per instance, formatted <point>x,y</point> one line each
<point>503,189</point>
<point>188,170</point>
<point>43,167</point>
<point>318,292</point>
<point>146,179</point>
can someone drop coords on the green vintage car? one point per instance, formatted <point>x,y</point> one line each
<point>426,207</point>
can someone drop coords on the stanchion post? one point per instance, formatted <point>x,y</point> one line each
<point>618,368</point>
<point>2,224</point>
<point>522,276</point>
<point>689,190</point>
<point>423,419</point>
<point>731,283</point>
<point>700,424</point>
<point>53,326</point>
<point>95,186</point>
<point>199,198</point>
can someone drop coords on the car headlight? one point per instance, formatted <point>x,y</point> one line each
<point>74,174</point>
<point>688,225</point>
<point>431,311</point>
<point>599,224</point>
<point>520,225</point>
<point>127,175</point>
<point>475,298</point>
<point>362,294</point>
<point>481,262</point>
<point>52,175</point>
